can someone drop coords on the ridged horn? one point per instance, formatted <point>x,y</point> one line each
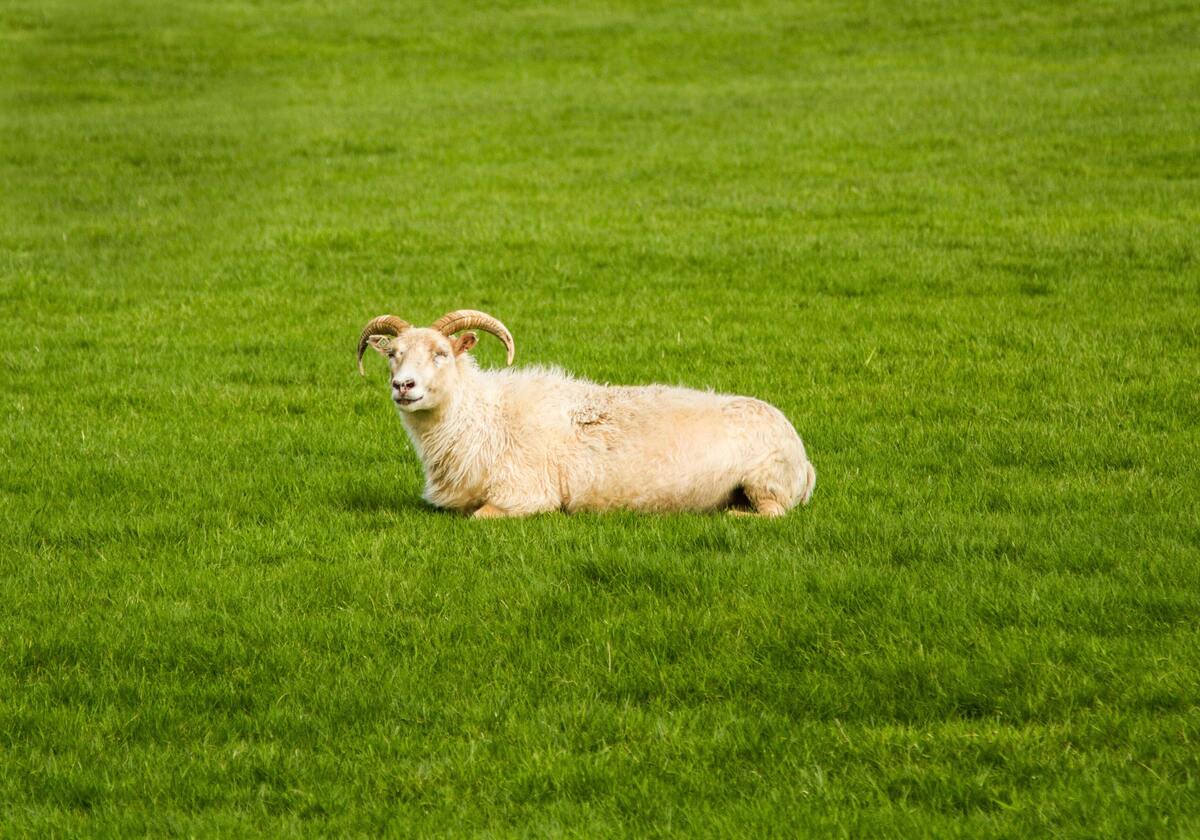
<point>383,325</point>
<point>473,319</point>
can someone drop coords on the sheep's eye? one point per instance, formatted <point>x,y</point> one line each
<point>391,354</point>
<point>441,357</point>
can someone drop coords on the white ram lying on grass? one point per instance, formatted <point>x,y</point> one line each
<point>517,442</point>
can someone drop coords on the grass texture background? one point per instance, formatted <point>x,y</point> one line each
<point>956,243</point>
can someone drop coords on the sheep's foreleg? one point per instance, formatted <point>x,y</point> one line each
<point>489,511</point>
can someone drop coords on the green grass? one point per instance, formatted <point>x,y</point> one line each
<point>956,243</point>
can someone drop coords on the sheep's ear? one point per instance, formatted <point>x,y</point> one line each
<point>381,343</point>
<point>464,343</point>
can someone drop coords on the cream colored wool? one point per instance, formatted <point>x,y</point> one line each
<point>518,442</point>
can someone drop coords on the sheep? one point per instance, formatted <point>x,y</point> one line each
<point>500,443</point>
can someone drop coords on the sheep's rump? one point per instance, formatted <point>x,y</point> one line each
<point>659,448</point>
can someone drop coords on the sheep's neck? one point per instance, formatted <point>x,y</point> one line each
<point>454,444</point>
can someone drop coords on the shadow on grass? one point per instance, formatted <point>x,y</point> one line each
<point>381,500</point>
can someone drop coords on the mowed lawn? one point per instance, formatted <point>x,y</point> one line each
<point>958,244</point>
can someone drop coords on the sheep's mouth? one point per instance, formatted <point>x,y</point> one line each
<point>407,400</point>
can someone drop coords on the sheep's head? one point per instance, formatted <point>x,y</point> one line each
<point>425,362</point>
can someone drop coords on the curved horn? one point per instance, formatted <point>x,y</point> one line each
<point>383,325</point>
<point>469,319</point>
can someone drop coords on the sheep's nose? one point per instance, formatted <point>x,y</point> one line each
<point>403,385</point>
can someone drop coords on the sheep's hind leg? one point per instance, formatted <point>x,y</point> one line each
<point>769,507</point>
<point>762,502</point>
<point>766,508</point>
<point>774,485</point>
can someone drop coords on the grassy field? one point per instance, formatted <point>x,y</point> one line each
<point>958,244</point>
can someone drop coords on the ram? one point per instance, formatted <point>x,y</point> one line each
<point>524,441</point>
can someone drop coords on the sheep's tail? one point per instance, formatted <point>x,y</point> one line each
<point>810,481</point>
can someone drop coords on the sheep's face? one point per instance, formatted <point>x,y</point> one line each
<point>424,366</point>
